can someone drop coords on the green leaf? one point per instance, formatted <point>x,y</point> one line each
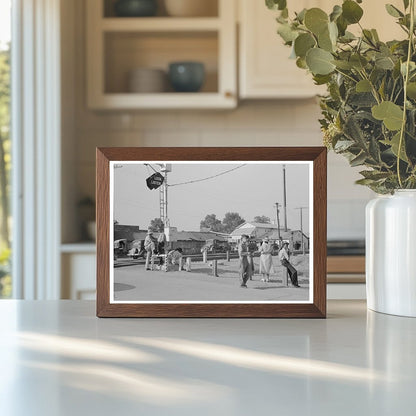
<point>354,132</point>
<point>347,37</point>
<point>301,63</point>
<point>358,160</point>
<point>393,11</point>
<point>336,12</point>
<point>365,182</point>
<point>412,67</point>
<point>363,86</point>
<point>342,25</point>
<point>333,32</point>
<point>301,15</point>
<point>343,145</point>
<point>325,42</point>
<point>388,112</point>
<point>394,145</point>
<point>321,79</point>
<point>316,20</point>
<point>287,33</point>
<point>384,62</point>
<point>276,4</point>
<point>344,65</point>
<point>374,175</point>
<point>320,61</point>
<point>358,61</point>
<point>351,11</point>
<point>303,43</point>
<point>375,35</point>
<point>368,36</point>
<point>411,90</point>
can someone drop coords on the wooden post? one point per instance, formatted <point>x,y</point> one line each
<point>215,268</point>
<point>285,277</point>
<point>228,255</point>
<point>188,264</point>
<point>165,262</point>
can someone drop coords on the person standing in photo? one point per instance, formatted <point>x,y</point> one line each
<point>161,241</point>
<point>284,257</point>
<point>149,246</point>
<point>252,248</point>
<point>266,261</point>
<point>243,254</point>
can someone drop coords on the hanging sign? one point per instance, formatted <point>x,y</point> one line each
<point>155,181</point>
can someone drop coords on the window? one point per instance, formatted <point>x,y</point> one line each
<point>5,147</point>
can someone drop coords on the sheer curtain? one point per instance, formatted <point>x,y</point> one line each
<point>36,143</point>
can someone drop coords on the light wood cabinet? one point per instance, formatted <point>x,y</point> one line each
<point>265,70</point>
<point>117,45</point>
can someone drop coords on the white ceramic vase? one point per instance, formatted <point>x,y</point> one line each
<point>391,253</point>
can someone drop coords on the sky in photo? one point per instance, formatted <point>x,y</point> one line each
<point>250,190</point>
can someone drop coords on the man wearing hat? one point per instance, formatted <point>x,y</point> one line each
<point>284,258</point>
<point>149,246</point>
<point>243,254</point>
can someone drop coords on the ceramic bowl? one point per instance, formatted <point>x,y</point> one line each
<point>186,76</point>
<point>135,8</point>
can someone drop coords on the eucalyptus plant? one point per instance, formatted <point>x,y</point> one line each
<point>369,111</point>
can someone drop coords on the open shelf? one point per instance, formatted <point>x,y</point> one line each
<point>211,9</point>
<point>160,24</point>
<point>119,45</point>
<point>126,51</point>
<point>168,100</point>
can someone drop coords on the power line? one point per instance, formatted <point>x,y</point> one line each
<point>209,177</point>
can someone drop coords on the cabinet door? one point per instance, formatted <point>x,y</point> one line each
<point>265,68</point>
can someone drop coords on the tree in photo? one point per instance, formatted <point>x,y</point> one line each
<point>231,221</point>
<point>262,219</point>
<point>211,222</point>
<point>156,225</point>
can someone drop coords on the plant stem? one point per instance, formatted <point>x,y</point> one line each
<point>346,75</point>
<point>406,80</point>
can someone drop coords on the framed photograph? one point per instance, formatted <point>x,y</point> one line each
<point>211,232</point>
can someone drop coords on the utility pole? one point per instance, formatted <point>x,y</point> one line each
<point>284,197</point>
<point>164,168</point>
<point>301,228</point>
<point>277,219</point>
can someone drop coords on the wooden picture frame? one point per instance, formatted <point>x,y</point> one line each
<point>314,307</point>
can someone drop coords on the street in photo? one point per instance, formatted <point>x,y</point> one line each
<point>211,232</point>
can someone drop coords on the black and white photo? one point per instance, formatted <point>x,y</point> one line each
<point>211,232</point>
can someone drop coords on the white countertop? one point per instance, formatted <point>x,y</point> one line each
<point>57,358</point>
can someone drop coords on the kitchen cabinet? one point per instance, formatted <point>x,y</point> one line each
<point>118,45</point>
<point>78,263</point>
<point>265,69</point>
